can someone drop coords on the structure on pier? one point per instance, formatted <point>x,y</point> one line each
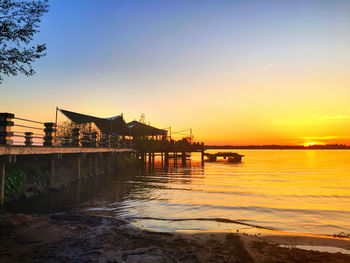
<point>113,125</point>
<point>139,130</point>
<point>41,144</point>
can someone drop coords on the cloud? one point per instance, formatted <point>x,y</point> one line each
<point>332,117</point>
<point>267,67</point>
<point>320,137</point>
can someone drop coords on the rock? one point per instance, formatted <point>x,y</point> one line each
<point>144,259</point>
<point>28,194</point>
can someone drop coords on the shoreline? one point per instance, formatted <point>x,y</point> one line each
<point>78,237</point>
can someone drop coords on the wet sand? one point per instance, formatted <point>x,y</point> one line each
<point>87,238</point>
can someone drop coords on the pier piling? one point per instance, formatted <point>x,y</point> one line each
<point>202,157</point>
<point>166,158</point>
<point>52,170</point>
<point>2,180</point>
<point>78,164</point>
<point>183,159</point>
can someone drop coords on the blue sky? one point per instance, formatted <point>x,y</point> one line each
<point>168,59</point>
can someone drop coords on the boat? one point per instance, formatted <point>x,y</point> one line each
<point>230,156</point>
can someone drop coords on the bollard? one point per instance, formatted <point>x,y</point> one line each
<point>5,128</point>
<point>49,133</point>
<point>94,139</point>
<point>29,138</point>
<point>76,140</point>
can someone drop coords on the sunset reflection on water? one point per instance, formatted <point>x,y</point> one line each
<point>305,191</point>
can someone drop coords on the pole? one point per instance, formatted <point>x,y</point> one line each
<point>56,124</point>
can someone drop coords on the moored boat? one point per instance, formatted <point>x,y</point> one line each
<point>231,156</point>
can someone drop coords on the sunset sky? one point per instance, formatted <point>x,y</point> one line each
<point>236,72</point>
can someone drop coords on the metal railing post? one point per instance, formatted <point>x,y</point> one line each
<point>5,128</point>
<point>29,138</point>
<point>76,140</point>
<point>94,139</point>
<point>118,142</point>
<point>49,130</point>
<point>109,140</point>
<point>112,141</point>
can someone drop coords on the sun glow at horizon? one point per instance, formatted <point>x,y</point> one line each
<point>307,144</point>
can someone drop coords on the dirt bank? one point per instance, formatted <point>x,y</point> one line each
<point>86,238</point>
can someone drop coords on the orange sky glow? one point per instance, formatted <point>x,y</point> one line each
<point>238,73</point>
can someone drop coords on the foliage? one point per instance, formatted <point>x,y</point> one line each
<point>34,173</point>
<point>86,169</point>
<point>18,23</point>
<point>126,161</point>
<point>15,180</point>
<point>64,129</point>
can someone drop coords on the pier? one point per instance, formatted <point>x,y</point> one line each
<point>90,146</point>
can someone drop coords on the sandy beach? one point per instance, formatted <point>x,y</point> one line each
<point>86,238</point>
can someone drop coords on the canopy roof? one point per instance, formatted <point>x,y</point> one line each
<point>137,128</point>
<point>107,125</point>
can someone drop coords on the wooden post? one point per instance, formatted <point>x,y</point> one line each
<point>2,180</point>
<point>162,159</point>
<point>183,161</point>
<point>53,170</point>
<point>106,162</point>
<point>153,158</point>
<point>5,128</point>
<point>95,164</point>
<point>166,158</point>
<point>202,157</point>
<point>149,159</point>
<point>78,164</point>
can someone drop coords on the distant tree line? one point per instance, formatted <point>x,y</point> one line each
<point>281,147</point>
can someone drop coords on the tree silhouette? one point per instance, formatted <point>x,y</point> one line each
<point>18,23</point>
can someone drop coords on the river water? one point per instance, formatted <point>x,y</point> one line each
<point>304,191</point>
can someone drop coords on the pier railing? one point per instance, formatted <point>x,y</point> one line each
<point>17,131</point>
